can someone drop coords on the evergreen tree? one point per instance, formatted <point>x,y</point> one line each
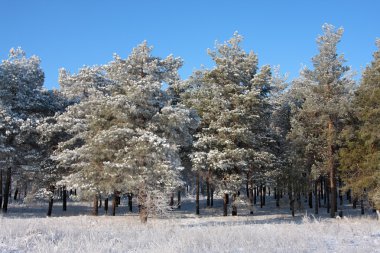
<point>360,157</point>
<point>322,109</point>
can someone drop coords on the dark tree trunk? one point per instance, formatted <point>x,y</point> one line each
<point>197,195</point>
<point>1,188</point>
<point>208,192</point>
<point>292,200</point>
<point>95,211</point>
<point>100,201</point>
<point>130,196</point>
<point>250,191</point>
<point>212,196</point>
<point>106,205</point>
<point>316,197</point>
<point>328,199</point>
<point>64,199</point>
<point>171,200</point>
<point>179,199</point>
<point>349,196</point>
<point>277,193</point>
<point>310,198</point>
<point>361,206</point>
<point>261,197</point>
<point>234,206</point>
<point>268,191</point>
<point>7,189</point>
<point>225,204</point>
<point>255,195</point>
<point>16,193</point>
<point>114,203</point>
<point>354,203</point>
<point>50,208</point>
<point>264,194</point>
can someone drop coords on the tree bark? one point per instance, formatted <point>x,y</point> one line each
<point>234,206</point>
<point>143,213</point>
<point>316,197</point>
<point>264,193</point>
<point>50,208</point>
<point>208,192</point>
<point>261,197</point>
<point>197,195</point>
<point>361,206</point>
<point>212,196</point>
<point>310,198</point>
<point>277,193</point>
<point>250,192</point>
<point>16,193</point>
<point>95,211</point>
<point>179,199</point>
<point>130,197</point>
<point>331,167</point>
<point>171,200</point>
<point>225,203</point>
<point>100,201</point>
<point>106,205</point>
<point>64,199</point>
<point>114,203</point>
<point>255,195</point>
<point>7,189</point>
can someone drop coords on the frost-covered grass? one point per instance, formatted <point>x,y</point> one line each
<point>26,229</point>
<point>219,234</point>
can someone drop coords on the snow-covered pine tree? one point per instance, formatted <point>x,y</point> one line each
<point>131,134</point>
<point>232,102</point>
<point>24,103</point>
<point>322,109</point>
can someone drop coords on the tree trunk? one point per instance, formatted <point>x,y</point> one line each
<point>64,199</point>
<point>264,193</point>
<point>310,198</point>
<point>349,196</point>
<point>100,201</point>
<point>50,208</point>
<point>277,193</point>
<point>171,200</point>
<point>328,199</point>
<point>225,203</point>
<point>95,211</point>
<point>143,213</point>
<point>261,197</point>
<point>316,197</point>
<point>331,168</point>
<point>354,203</point>
<point>16,193</point>
<point>361,206</point>
<point>179,199</point>
<point>234,206</point>
<point>7,189</point>
<point>106,205</point>
<point>208,192</point>
<point>250,192</point>
<point>255,195</point>
<point>197,195</point>
<point>292,203</point>
<point>114,203</point>
<point>130,196</point>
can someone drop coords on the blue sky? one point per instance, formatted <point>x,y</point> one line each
<point>70,34</point>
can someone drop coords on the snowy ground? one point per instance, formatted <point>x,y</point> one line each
<point>26,229</point>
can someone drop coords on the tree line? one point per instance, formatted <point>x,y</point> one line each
<point>134,127</point>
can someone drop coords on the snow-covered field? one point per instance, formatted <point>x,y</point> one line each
<point>182,231</point>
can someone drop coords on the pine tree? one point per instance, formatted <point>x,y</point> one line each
<point>360,157</point>
<point>322,109</point>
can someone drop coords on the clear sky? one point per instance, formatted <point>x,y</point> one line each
<point>70,34</point>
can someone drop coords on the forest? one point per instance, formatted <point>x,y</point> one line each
<point>237,132</point>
